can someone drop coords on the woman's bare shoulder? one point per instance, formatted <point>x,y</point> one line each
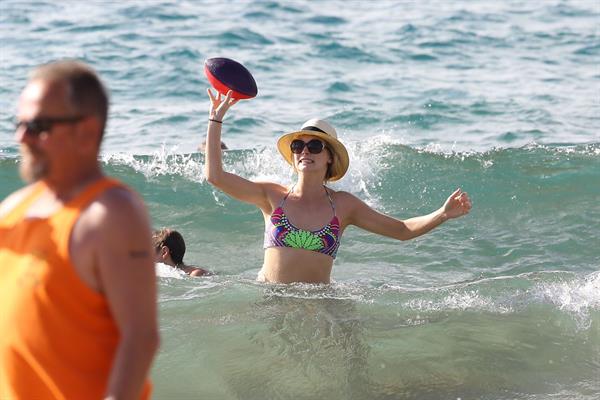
<point>346,204</point>
<point>273,186</point>
<point>342,196</point>
<point>274,192</point>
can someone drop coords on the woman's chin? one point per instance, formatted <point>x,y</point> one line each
<point>310,169</point>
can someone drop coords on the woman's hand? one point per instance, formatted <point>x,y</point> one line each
<point>219,107</point>
<point>457,205</point>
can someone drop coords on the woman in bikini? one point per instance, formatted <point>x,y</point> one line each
<point>304,222</point>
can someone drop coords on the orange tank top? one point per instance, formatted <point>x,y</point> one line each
<point>57,336</point>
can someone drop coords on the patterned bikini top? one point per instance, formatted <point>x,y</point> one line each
<point>280,232</point>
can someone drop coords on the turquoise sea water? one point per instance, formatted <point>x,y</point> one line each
<point>499,98</point>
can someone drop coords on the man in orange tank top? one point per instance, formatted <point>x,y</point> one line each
<point>78,315</point>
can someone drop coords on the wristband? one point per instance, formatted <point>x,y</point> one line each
<point>215,120</point>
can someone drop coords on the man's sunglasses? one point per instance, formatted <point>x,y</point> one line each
<point>314,146</point>
<point>37,126</point>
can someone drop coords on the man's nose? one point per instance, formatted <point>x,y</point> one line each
<point>21,133</point>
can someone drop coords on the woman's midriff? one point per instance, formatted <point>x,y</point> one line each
<point>287,265</point>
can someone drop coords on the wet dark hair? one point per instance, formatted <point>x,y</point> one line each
<point>87,94</point>
<point>173,240</point>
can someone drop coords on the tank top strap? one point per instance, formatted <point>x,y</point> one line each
<point>19,210</point>
<point>64,220</point>
<point>330,200</point>
<point>91,192</point>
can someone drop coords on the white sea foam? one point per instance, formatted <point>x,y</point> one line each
<point>166,271</point>
<point>266,164</point>
<point>470,300</point>
<point>161,162</point>
<point>366,164</point>
<point>261,164</point>
<point>577,297</point>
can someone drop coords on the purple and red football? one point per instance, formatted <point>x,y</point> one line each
<point>225,74</point>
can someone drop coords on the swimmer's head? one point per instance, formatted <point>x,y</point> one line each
<point>169,246</point>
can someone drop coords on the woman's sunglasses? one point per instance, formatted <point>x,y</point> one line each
<point>314,146</point>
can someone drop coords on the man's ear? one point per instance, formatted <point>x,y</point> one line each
<point>89,133</point>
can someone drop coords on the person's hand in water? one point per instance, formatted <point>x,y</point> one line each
<point>457,205</point>
<point>218,106</point>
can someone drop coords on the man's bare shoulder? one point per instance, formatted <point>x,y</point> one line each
<point>11,201</point>
<point>121,199</point>
<point>194,270</point>
<point>116,207</point>
<point>114,230</point>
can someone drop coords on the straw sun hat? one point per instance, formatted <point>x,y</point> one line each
<point>321,129</point>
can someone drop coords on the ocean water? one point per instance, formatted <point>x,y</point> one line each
<point>499,98</point>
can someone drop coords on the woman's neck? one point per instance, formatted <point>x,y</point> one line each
<point>308,187</point>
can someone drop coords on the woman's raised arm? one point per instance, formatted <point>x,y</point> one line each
<point>234,185</point>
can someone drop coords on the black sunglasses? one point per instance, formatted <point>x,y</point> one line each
<point>38,125</point>
<point>314,146</point>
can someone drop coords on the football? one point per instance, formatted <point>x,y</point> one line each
<point>225,74</point>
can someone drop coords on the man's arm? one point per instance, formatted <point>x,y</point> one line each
<point>126,276</point>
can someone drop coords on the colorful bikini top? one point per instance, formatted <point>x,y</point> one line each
<point>280,232</point>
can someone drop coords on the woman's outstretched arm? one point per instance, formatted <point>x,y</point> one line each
<point>363,216</point>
